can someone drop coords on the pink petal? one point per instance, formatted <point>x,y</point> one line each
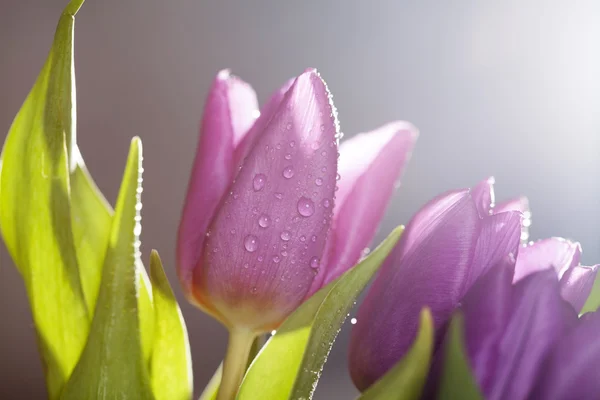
<point>559,253</point>
<point>370,165</point>
<point>228,114</point>
<point>518,204</point>
<point>483,196</point>
<point>268,236</point>
<point>576,285</point>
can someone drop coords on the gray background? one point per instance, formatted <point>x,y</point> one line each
<point>509,88</point>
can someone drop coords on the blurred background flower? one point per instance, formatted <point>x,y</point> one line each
<point>508,89</point>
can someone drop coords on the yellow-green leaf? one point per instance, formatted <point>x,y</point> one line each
<point>458,381</point>
<point>170,368</point>
<point>112,364</point>
<point>289,365</point>
<point>406,379</point>
<point>35,208</point>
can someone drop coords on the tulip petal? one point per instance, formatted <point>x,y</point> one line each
<point>499,237</point>
<point>576,285</point>
<point>517,204</point>
<point>558,253</point>
<point>228,114</point>
<point>483,196</point>
<point>539,317</point>
<point>266,113</point>
<point>264,245</point>
<point>571,370</point>
<point>486,309</point>
<point>370,165</point>
<point>427,268</point>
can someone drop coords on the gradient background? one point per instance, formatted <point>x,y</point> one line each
<point>509,88</point>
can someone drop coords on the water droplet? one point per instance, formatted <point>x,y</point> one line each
<point>260,258</point>
<point>232,231</point>
<point>267,148</point>
<point>337,177</point>
<point>278,195</point>
<point>323,169</point>
<point>236,196</point>
<point>313,238</point>
<point>264,221</point>
<point>246,265</point>
<point>208,234</point>
<point>296,219</point>
<point>288,172</point>
<point>353,321</point>
<point>323,153</point>
<point>326,203</point>
<point>306,207</point>
<point>288,156</point>
<point>255,210</point>
<point>292,143</point>
<point>303,238</point>
<point>254,290</point>
<point>259,182</point>
<point>277,219</point>
<point>251,243</point>
<point>318,181</point>
<point>276,259</point>
<point>285,235</point>
<point>284,253</point>
<point>288,126</point>
<point>215,250</point>
<point>273,332</point>
<point>322,127</point>
<point>314,263</point>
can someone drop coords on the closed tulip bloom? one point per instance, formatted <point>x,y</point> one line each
<point>445,248</point>
<point>263,225</point>
<point>524,340</point>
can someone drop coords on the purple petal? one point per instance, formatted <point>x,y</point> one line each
<point>228,113</point>
<point>427,268</point>
<point>268,236</point>
<point>539,317</point>
<point>486,309</point>
<point>518,204</point>
<point>483,196</point>
<point>572,368</point>
<point>558,253</point>
<point>370,165</point>
<point>499,237</point>
<point>576,285</point>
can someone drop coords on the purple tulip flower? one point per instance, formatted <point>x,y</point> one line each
<point>260,232</point>
<point>524,340</point>
<point>448,245</point>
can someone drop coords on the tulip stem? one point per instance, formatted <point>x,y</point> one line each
<point>234,365</point>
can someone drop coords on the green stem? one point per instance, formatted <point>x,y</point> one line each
<point>234,364</point>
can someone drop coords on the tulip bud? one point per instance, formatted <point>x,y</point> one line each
<point>262,229</point>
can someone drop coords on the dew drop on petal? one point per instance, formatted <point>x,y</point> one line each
<point>264,221</point>
<point>314,263</point>
<point>303,238</point>
<point>288,172</point>
<point>259,182</point>
<point>285,235</point>
<point>292,143</point>
<point>288,156</point>
<point>276,259</point>
<point>313,238</point>
<point>254,290</point>
<point>251,243</point>
<point>306,207</point>
<point>318,181</point>
<point>326,203</point>
<point>353,321</point>
<point>323,169</point>
<point>278,195</point>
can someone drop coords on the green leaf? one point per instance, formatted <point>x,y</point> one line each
<point>91,220</point>
<point>593,301</point>
<point>289,365</point>
<point>170,367</point>
<point>35,209</point>
<point>211,390</point>
<point>406,379</point>
<point>458,381</point>
<point>112,365</point>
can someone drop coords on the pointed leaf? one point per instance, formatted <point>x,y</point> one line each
<point>458,381</point>
<point>112,364</point>
<point>171,363</point>
<point>289,365</point>
<point>91,220</point>
<point>406,379</point>
<point>35,211</point>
